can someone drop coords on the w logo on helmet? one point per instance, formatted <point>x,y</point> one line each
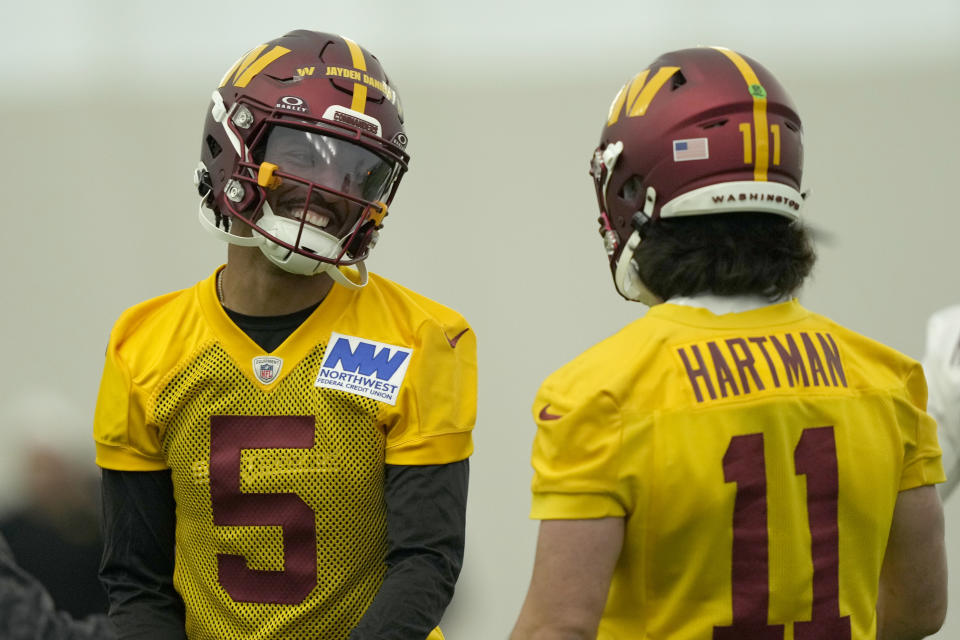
<point>364,367</point>
<point>636,95</point>
<point>250,65</point>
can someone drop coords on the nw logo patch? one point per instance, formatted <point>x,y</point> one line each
<point>368,368</point>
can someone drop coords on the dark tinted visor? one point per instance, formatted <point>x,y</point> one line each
<point>328,161</point>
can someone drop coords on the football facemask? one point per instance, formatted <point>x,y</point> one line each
<point>303,143</point>
<point>324,196</point>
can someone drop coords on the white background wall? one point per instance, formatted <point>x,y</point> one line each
<point>100,115</point>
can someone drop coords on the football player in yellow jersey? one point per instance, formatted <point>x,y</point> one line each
<point>285,444</point>
<point>731,465</point>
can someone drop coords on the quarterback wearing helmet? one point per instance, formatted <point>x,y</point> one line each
<point>731,465</point>
<point>285,444</point>
<point>304,144</point>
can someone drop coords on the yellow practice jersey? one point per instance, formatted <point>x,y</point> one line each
<point>756,458</point>
<point>278,459</point>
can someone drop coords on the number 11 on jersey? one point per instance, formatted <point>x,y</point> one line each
<point>744,463</point>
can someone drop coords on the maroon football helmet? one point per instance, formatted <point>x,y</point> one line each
<point>699,131</point>
<point>304,143</point>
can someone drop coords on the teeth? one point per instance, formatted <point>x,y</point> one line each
<point>316,219</point>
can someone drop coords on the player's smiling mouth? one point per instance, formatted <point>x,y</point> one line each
<point>320,218</point>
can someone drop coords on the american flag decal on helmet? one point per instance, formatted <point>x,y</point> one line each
<point>692,149</point>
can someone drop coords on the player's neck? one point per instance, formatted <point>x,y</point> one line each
<point>250,284</point>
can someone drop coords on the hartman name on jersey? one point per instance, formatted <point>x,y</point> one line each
<point>719,369</point>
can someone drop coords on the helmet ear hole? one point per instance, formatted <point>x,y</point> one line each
<point>213,146</point>
<point>631,189</point>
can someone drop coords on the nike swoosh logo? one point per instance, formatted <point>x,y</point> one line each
<point>455,339</point>
<point>546,415</point>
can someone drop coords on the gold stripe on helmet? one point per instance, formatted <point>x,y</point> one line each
<point>359,102</point>
<point>359,62</point>
<point>249,69</point>
<point>359,97</point>
<point>759,113</point>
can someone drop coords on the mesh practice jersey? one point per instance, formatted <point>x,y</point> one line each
<point>277,459</point>
<point>756,458</point>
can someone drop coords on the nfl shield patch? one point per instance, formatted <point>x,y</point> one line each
<point>267,368</point>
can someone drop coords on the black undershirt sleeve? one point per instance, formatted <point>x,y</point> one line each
<point>139,517</point>
<point>426,523</point>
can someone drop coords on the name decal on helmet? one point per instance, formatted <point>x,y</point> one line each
<point>757,197</point>
<point>635,96</point>
<point>245,69</point>
<point>353,118</point>
<point>356,122</point>
<point>359,76</point>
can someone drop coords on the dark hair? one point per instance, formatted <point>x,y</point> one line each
<point>724,254</point>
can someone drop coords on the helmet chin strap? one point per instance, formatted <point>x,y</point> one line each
<point>287,260</point>
<point>627,275</point>
<point>207,221</point>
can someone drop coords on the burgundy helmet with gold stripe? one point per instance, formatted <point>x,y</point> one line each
<point>699,131</point>
<point>303,142</point>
